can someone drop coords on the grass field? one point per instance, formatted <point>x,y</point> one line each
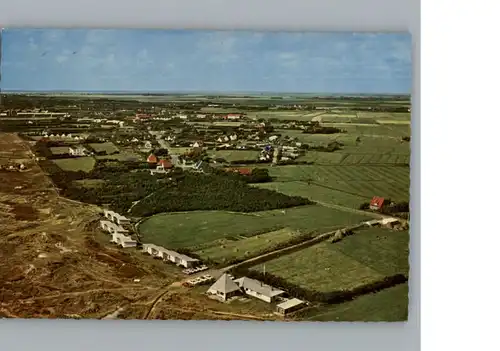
<point>235,155</point>
<point>343,185</point>
<point>59,150</point>
<point>223,250</point>
<point>85,164</point>
<point>90,183</point>
<point>191,229</point>
<point>389,305</point>
<point>122,156</point>
<point>366,256</point>
<point>108,148</point>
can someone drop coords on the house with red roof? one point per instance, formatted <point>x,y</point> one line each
<point>377,203</point>
<point>152,159</point>
<point>165,164</point>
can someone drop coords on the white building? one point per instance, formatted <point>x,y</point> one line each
<point>233,137</point>
<point>258,289</point>
<point>77,150</point>
<point>116,217</point>
<point>224,288</point>
<point>123,240</point>
<point>289,306</point>
<point>112,228</point>
<point>169,255</point>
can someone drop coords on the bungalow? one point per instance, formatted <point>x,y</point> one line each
<point>152,159</point>
<point>78,150</point>
<point>289,306</point>
<point>112,228</point>
<point>116,218</point>
<point>233,137</point>
<point>123,240</point>
<point>377,203</point>
<point>169,255</point>
<point>258,289</point>
<point>224,288</point>
<point>233,116</point>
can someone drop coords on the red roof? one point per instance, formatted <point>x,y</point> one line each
<point>244,171</point>
<point>165,164</point>
<point>377,202</point>
<point>152,159</point>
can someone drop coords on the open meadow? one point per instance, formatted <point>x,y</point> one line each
<point>235,155</point>
<point>75,164</point>
<point>198,228</point>
<point>388,305</point>
<point>108,147</point>
<point>343,185</point>
<point>365,257</point>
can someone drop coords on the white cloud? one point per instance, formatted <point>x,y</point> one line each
<point>61,58</point>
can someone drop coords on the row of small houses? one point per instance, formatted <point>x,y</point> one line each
<point>226,288</point>
<point>119,228</point>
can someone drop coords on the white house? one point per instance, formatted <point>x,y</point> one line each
<point>78,151</point>
<point>289,306</point>
<point>273,138</point>
<point>112,228</point>
<point>233,137</point>
<point>148,145</point>
<point>123,240</point>
<point>169,255</point>
<point>258,289</point>
<point>224,288</point>
<point>116,217</point>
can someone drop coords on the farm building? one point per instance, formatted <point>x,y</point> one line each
<point>233,116</point>
<point>116,218</point>
<point>112,228</point>
<point>258,289</point>
<point>169,255</point>
<point>152,159</point>
<point>123,240</point>
<point>289,306</point>
<point>78,151</point>
<point>377,203</point>
<point>224,288</point>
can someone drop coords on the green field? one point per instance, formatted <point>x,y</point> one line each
<point>223,250</point>
<point>122,156</point>
<point>192,229</point>
<point>343,185</point>
<point>59,150</point>
<point>85,164</point>
<point>389,305</point>
<point>366,256</point>
<point>235,155</point>
<point>108,148</point>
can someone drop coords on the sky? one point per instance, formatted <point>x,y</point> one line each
<point>204,61</point>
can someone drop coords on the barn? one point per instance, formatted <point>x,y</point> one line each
<point>377,203</point>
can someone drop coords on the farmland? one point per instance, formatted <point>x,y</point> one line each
<point>236,155</point>
<point>223,250</point>
<point>389,305</point>
<point>343,185</point>
<point>365,257</point>
<point>108,148</point>
<point>85,164</point>
<point>191,229</point>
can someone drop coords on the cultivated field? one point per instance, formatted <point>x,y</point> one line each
<point>108,148</point>
<point>85,164</point>
<point>59,150</point>
<point>389,305</point>
<point>343,185</point>
<point>235,155</point>
<point>223,250</point>
<point>191,229</point>
<point>366,256</point>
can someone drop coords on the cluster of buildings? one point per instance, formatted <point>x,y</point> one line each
<point>79,150</point>
<point>119,228</point>
<point>227,288</point>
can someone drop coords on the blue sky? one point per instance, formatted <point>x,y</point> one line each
<point>181,60</point>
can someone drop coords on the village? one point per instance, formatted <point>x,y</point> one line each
<point>284,171</point>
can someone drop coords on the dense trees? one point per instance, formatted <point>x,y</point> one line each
<point>192,192</point>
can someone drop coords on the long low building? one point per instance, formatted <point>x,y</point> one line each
<point>258,289</point>
<point>169,255</point>
<point>289,306</point>
<point>112,228</point>
<point>116,217</point>
<point>123,240</point>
